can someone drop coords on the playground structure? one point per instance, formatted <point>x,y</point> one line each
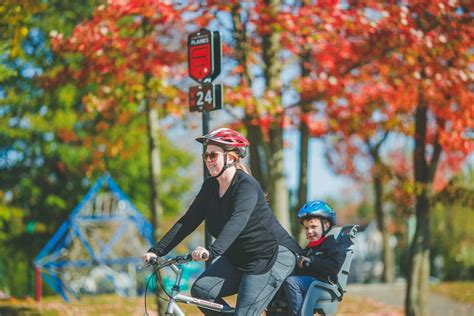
<point>98,248</point>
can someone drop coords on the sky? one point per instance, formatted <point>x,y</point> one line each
<point>321,181</point>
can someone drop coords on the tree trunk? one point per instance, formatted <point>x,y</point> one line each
<point>388,259</point>
<point>259,169</point>
<point>154,179</point>
<point>153,130</point>
<point>155,170</point>
<point>278,191</point>
<point>419,267</point>
<point>305,59</point>
<point>267,162</point>
<point>271,52</point>
<point>388,275</point>
<point>279,199</point>
<point>303,177</point>
<point>380,172</point>
<point>253,132</point>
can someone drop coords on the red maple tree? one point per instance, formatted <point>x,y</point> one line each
<point>413,60</point>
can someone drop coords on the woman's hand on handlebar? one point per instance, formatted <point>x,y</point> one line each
<point>147,256</point>
<point>200,254</point>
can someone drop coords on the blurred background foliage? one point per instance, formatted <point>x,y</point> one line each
<point>53,147</point>
<point>46,142</point>
<point>452,229</point>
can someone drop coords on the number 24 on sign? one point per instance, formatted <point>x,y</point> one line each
<point>205,97</point>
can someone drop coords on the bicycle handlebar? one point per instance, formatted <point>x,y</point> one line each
<point>161,263</point>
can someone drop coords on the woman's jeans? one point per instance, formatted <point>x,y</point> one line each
<point>255,291</point>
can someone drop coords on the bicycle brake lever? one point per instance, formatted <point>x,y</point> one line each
<point>184,258</point>
<point>151,262</point>
<point>143,267</point>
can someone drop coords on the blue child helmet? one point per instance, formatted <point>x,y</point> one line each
<point>318,208</point>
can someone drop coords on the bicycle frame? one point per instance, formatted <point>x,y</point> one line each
<point>176,297</point>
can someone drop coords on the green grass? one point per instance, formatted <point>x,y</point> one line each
<point>462,292</point>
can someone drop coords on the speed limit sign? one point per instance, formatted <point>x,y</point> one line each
<point>205,97</point>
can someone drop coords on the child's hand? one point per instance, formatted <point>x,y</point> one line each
<point>302,262</point>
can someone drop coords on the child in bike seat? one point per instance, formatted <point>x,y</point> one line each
<point>323,257</point>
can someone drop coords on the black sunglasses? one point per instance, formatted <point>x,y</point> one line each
<point>212,156</point>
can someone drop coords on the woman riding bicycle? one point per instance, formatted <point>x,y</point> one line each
<point>254,253</point>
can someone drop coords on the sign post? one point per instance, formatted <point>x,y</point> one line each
<point>204,65</point>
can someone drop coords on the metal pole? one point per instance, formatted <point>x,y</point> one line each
<point>205,130</point>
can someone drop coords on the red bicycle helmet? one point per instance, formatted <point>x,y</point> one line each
<point>226,138</point>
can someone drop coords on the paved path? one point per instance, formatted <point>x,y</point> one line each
<point>394,294</point>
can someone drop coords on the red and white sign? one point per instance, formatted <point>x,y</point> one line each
<point>204,62</point>
<point>200,55</point>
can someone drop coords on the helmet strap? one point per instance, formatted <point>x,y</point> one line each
<point>325,231</point>
<point>226,165</point>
